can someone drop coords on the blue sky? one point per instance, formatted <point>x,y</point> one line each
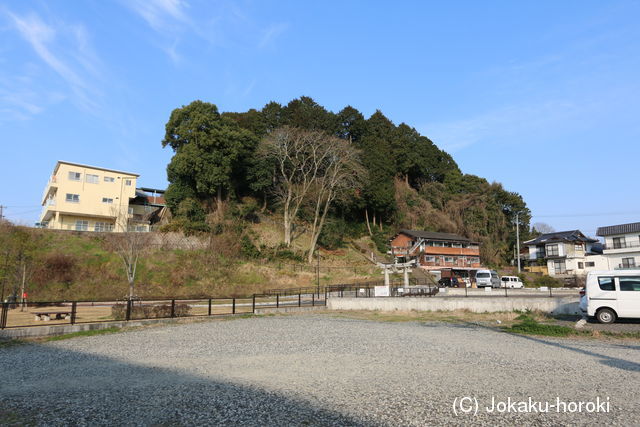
<point>541,96</point>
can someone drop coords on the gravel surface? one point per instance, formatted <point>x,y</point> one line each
<point>620,326</point>
<point>314,370</point>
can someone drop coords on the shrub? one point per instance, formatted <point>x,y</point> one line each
<point>333,234</point>
<point>547,281</point>
<point>525,281</point>
<point>381,241</point>
<point>60,267</point>
<point>247,248</point>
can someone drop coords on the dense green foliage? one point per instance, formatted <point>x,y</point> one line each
<point>411,183</point>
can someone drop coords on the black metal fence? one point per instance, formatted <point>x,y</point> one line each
<point>17,315</point>
<point>427,289</point>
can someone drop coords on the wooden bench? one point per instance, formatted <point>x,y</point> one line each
<point>47,315</point>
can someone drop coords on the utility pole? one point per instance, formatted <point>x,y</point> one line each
<point>518,239</point>
<point>1,212</point>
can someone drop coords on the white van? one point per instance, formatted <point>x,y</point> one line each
<point>612,294</point>
<point>511,282</point>
<point>487,278</point>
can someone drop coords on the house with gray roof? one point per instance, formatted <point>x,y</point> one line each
<point>622,245</point>
<point>565,253</point>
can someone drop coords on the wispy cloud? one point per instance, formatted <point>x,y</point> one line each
<point>221,24</point>
<point>271,34</point>
<point>161,15</point>
<point>67,51</point>
<point>168,18</point>
<point>509,123</point>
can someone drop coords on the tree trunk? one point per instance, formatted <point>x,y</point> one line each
<point>24,279</point>
<point>366,217</point>
<point>318,230</point>
<point>287,226</point>
<point>219,202</point>
<point>264,203</point>
<point>131,289</point>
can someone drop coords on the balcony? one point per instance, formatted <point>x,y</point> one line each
<point>621,247</point>
<point>52,184</point>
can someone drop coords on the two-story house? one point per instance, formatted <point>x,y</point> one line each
<point>436,251</point>
<point>88,198</point>
<point>622,245</point>
<point>565,253</point>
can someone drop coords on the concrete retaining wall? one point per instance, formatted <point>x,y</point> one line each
<point>553,305</point>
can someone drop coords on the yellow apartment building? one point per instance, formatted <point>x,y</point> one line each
<point>88,198</point>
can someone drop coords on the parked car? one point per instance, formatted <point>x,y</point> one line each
<point>446,282</point>
<point>612,294</point>
<point>487,278</point>
<point>511,282</point>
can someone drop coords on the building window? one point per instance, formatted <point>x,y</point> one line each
<point>72,198</point>
<point>82,225</point>
<point>103,226</point>
<point>580,265</point>
<point>429,258</point>
<point>448,259</point>
<point>107,200</point>
<point>75,176</point>
<point>127,182</point>
<point>579,247</point>
<point>630,284</point>
<point>590,264</point>
<point>474,260</point>
<point>559,266</point>
<point>606,284</point>
<point>552,250</point>
<point>109,179</point>
<point>539,251</point>
<point>92,179</point>
<point>619,243</point>
<point>628,262</point>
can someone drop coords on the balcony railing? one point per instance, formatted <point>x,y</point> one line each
<point>52,181</point>
<point>623,245</point>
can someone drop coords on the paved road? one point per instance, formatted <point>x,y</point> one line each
<point>315,370</point>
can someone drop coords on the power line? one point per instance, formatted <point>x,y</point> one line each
<point>25,212</point>
<point>586,215</point>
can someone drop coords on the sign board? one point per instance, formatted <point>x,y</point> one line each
<point>381,291</point>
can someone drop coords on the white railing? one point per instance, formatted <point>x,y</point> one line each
<point>51,181</point>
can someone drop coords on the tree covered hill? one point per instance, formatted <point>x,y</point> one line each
<point>400,178</point>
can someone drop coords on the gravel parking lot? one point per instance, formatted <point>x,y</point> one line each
<point>316,370</point>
